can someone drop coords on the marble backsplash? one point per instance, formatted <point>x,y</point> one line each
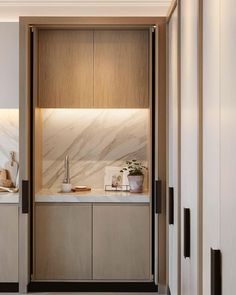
<point>93,139</point>
<point>9,134</point>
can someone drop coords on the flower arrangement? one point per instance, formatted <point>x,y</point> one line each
<point>134,168</point>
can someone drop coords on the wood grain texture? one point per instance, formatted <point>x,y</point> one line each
<point>38,122</point>
<point>121,241</point>
<point>63,237</point>
<point>9,243</point>
<point>161,153</point>
<point>88,21</point>
<point>121,68</point>
<point>65,68</point>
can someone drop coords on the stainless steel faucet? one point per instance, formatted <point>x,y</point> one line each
<point>67,170</point>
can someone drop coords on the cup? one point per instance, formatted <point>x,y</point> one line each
<point>66,187</point>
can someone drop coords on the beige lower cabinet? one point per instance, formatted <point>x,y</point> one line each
<point>8,243</point>
<point>121,242</point>
<point>63,241</point>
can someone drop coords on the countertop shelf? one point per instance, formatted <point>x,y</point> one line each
<point>93,196</point>
<point>9,198</point>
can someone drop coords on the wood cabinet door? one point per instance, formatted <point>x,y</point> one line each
<point>63,241</point>
<point>65,68</point>
<point>121,68</point>
<point>121,242</point>
<point>9,243</point>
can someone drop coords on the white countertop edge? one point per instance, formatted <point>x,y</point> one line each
<point>9,198</point>
<point>95,196</point>
<point>98,199</point>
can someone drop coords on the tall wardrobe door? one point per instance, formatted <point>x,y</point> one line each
<point>228,145</point>
<point>211,136</point>
<point>189,145</point>
<point>173,155</point>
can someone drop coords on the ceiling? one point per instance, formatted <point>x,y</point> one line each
<point>10,10</point>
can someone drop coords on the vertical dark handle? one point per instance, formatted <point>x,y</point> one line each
<point>216,272</point>
<point>187,235</point>
<point>25,196</point>
<point>158,196</point>
<point>171,205</point>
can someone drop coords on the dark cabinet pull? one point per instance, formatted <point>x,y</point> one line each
<point>187,235</point>
<point>25,196</point>
<point>216,272</point>
<point>171,205</point>
<point>158,195</point>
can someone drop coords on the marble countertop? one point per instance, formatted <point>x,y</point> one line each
<point>9,198</point>
<point>93,196</point>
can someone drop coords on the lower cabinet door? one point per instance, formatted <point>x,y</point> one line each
<point>8,243</point>
<point>63,241</point>
<point>121,242</point>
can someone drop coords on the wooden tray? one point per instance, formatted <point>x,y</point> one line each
<point>77,190</point>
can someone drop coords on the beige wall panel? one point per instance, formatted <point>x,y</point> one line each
<point>121,72</point>
<point>121,241</point>
<point>65,68</point>
<point>63,241</point>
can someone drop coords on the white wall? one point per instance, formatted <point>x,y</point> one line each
<point>173,151</point>
<point>189,139</point>
<point>9,65</point>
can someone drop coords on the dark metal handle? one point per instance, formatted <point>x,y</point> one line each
<point>187,235</point>
<point>158,196</point>
<point>216,272</point>
<point>171,205</point>
<point>25,196</point>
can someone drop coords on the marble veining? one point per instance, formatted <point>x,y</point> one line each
<point>9,134</point>
<point>94,139</point>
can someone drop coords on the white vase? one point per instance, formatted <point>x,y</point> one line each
<point>136,183</point>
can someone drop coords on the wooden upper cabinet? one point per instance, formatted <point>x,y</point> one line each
<point>93,68</point>
<point>65,68</point>
<point>121,68</point>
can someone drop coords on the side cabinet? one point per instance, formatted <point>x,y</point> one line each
<point>121,242</point>
<point>63,241</point>
<point>9,243</point>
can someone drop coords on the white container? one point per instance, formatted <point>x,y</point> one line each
<point>136,183</point>
<point>66,187</point>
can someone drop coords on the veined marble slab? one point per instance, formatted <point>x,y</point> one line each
<point>93,139</point>
<point>9,134</point>
<point>9,198</point>
<point>93,196</point>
